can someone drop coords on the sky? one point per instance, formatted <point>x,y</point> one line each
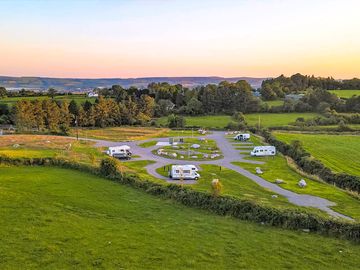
<point>146,38</point>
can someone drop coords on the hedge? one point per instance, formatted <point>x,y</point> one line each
<point>313,166</point>
<point>221,205</point>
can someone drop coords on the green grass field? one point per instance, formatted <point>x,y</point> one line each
<point>276,119</point>
<point>338,152</point>
<point>277,168</point>
<point>220,121</point>
<point>345,93</point>
<point>237,185</point>
<point>10,101</point>
<point>54,218</point>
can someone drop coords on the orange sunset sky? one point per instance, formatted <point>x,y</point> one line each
<point>98,39</point>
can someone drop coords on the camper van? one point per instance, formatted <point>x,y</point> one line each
<point>186,172</point>
<point>120,152</point>
<point>261,151</point>
<point>242,137</point>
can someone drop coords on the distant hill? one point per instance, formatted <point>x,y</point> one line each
<point>74,85</point>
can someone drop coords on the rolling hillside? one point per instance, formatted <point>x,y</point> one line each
<point>68,84</point>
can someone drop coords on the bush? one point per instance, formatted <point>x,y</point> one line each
<point>108,167</point>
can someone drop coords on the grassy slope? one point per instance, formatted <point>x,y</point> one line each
<point>339,152</point>
<point>277,167</point>
<point>220,121</point>
<point>56,218</point>
<point>345,93</point>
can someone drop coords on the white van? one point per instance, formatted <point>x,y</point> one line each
<point>186,172</point>
<point>261,151</point>
<point>121,152</point>
<point>242,137</point>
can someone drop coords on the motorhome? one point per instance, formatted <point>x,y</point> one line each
<point>260,151</point>
<point>242,137</point>
<point>185,172</point>
<point>120,152</point>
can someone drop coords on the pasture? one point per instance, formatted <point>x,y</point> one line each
<point>220,121</point>
<point>345,93</point>
<point>10,101</point>
<point>338,152</point>
<point>55,218</point>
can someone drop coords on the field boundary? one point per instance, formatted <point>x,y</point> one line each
<point>221,205</point>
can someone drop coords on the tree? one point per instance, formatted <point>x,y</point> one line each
<point>176,121</point>
<point>52,115</point>
<point>194,106</point>
<point>65,117</point>
<point>52,93</point>
<point>74,108</point>
<point>24,117</point>
<point>3,92</point>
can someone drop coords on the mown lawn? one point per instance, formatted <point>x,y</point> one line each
<point>54,218</point>
<point>235,184</point>
<point>278,168</point>
<point>345,93</point>
<point>338,152</point>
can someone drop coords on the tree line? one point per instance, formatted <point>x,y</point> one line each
<point>59,116</point>
<point>272,89</point>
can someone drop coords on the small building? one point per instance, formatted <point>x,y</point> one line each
<point>92,94</point>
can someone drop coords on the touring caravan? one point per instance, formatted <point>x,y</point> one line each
<point>186,172</point>
<point>261,151</point>
<point>242,137</point>
<point>120,152</point>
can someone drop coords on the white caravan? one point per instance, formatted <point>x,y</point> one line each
<point>121,152</point>
<point>186,172</point>
<point>261,151</point>
<point>242,137</point>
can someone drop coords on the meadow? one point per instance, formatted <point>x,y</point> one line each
<point>221,121</point>
<point>338,152</point>
<point>345,93</point>
<point>10,101</point>
<point>55,218</point>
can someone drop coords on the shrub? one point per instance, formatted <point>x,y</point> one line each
<point>108,167</point>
